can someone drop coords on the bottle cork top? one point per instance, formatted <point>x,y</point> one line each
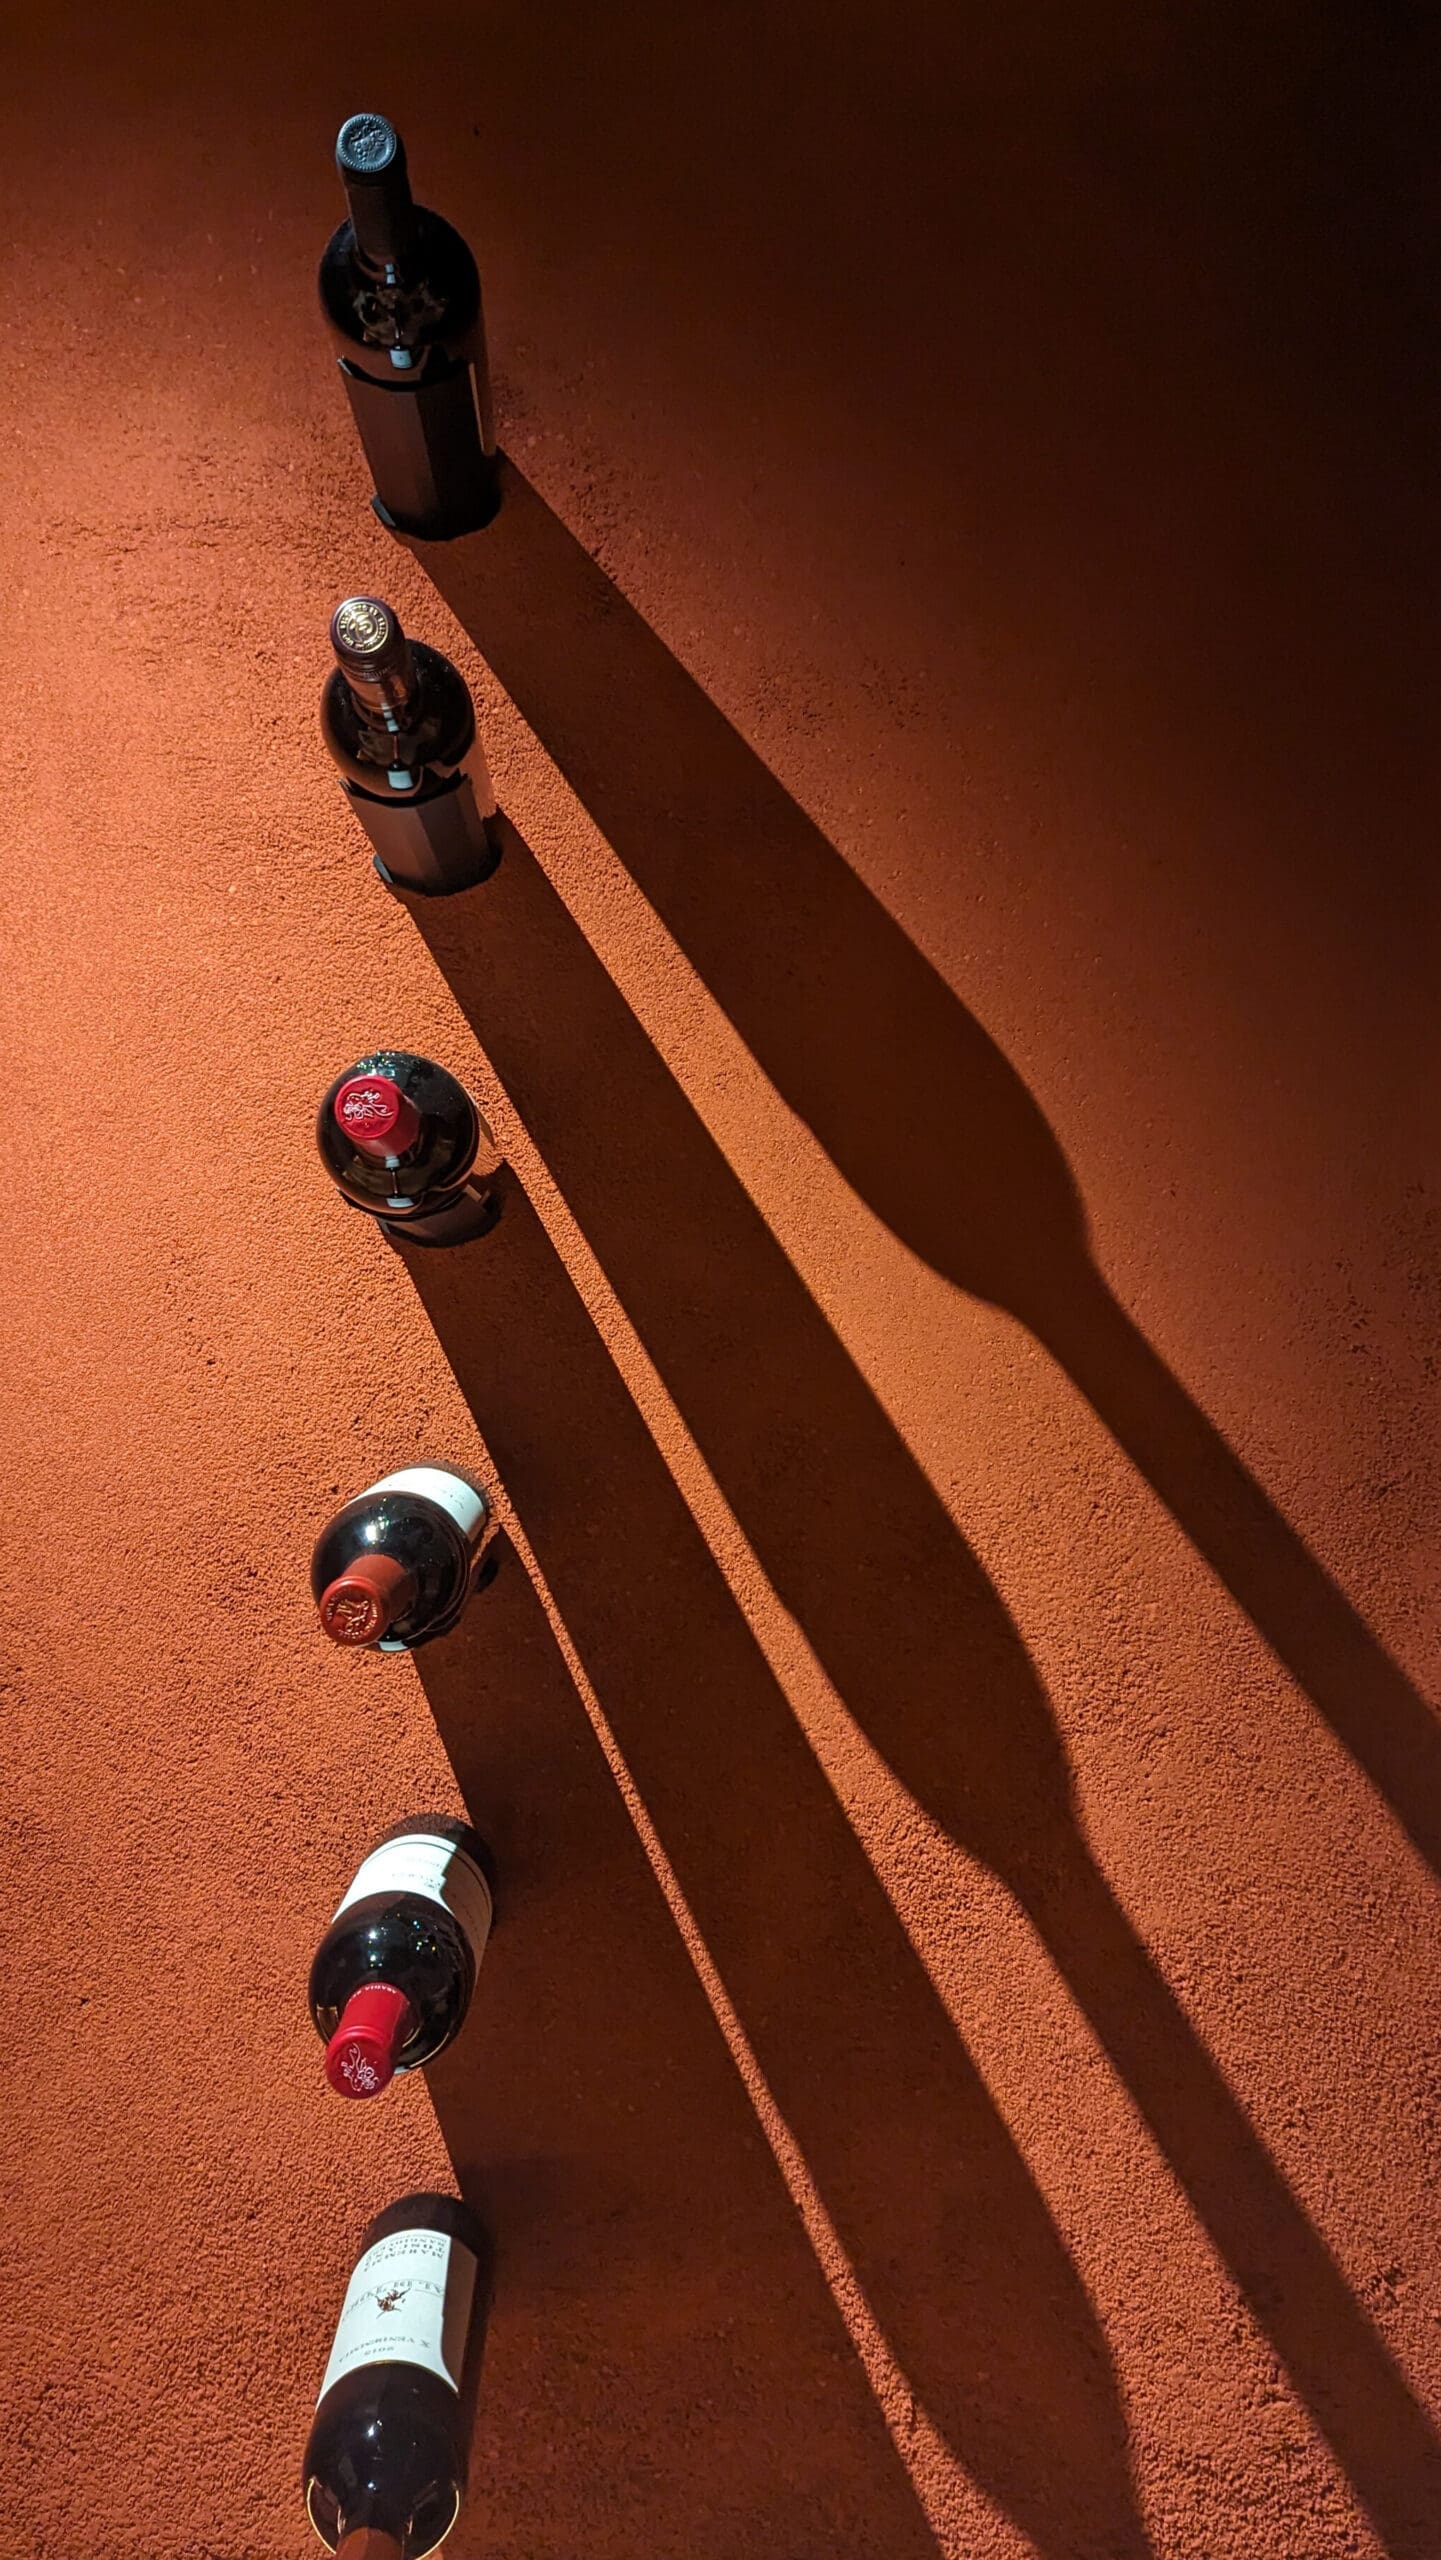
<point>368,150</point>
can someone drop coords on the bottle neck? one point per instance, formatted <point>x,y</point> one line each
<point>362,1604</point>
<point>377,663</point>
<point>361,2057</point>
<point>391,694</point>
<point>384,221</point>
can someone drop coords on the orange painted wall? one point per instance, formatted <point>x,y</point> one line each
<point>958,2067</point>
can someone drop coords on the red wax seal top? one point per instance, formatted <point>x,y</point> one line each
<point>363,1603</point>
<point>376,1116</point>
<point>360,2057</point>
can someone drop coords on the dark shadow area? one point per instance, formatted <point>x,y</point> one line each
<point>912,1100</point>
<point>954,2246</point>
<point>919,1646</point>
<point>655,2286</point>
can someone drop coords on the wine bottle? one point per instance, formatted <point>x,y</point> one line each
<point>399,1138</point>
<point>396,1566</point>
<point>400,295</point>
<point>385,2464</point>
<point>398,719</point>
<point>393,1975</point>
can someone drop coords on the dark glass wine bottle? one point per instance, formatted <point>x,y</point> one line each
<point>393,1975</point>
<point>398,719</point>
<point>401,297</point>
<point>400,1139</point>
<point>396,1566</point>
<point>386,2459</point>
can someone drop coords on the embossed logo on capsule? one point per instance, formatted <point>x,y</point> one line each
<point>368,1106</point>
<point>362,625</point>
<point>352,1616</point>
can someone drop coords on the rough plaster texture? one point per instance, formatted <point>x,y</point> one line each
<point>958,2067</point>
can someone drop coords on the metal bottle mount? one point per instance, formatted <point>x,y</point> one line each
<point>429,847</point>
<point>461,1217</point>
<point>433,476</point>
<point>465,1215</point>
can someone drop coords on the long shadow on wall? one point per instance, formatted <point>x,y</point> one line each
<point>661,2325</point>
<point>952,2242</point>
<point>915,1639</point>
<point>909,1096</point>
<point>925,1656</point>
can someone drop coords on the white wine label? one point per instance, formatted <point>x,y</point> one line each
<point>464,1503</point>
<point>407,2302</point>
<point>425,1863</point>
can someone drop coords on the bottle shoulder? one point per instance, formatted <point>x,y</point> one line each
<point>387,2440</point>
<point>396,1519</point>
<point>432,739</point>
<point>408,322</point>
<point>397,1922</point>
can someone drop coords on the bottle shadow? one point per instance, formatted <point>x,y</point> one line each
<point>952,2243</point>
<point>921,1649</point>
<point>655,2286</point>
<point>939,1135</point>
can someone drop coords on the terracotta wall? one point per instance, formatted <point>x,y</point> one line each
<point>958,2066</point>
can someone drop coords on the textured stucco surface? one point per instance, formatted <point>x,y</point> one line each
<point>958,2066</point>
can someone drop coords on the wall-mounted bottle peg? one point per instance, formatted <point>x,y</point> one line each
<point>398,719</point>
<point>400,294</point>
<point>402,1140</point>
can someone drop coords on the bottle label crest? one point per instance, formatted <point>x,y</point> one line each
<point>424,1863</point>
<point>463,1503</point>
<point>408,2302</point>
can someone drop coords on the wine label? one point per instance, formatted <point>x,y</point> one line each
<point>464,1503</point>
<point>408,2302</point>
<point>438,1870</point>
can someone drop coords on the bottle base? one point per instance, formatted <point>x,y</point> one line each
<point>481,869</point>
<point>474,521</point>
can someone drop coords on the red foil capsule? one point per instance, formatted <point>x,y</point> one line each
<point>376,1116</point>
